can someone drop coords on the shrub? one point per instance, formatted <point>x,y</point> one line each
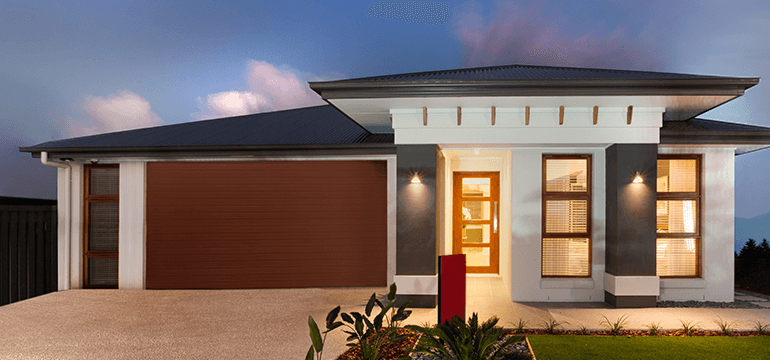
<point>688,327</point>
<point>456,340</point>
<point>519,326</point>
<point>724,326</point>
<point>315,335</point>
<point>654,328</point>
<point>761,328</point>
<point>551,325</point>
<point>368,334</point>
<point>617,325</point>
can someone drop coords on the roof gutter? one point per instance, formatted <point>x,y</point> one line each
<point>63,242</point>
<point>347,89</point>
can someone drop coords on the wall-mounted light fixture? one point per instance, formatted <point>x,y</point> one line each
<point>416,180</point>
<point>638,179</point>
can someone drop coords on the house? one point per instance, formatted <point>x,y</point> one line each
<point>572,184</point>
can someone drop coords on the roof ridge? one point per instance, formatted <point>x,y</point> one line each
<point>514,66</point>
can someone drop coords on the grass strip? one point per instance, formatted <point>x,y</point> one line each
<point>553,347</point>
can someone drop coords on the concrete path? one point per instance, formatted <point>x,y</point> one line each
<point>264,324</point>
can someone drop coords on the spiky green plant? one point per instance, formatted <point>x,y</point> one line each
<point>724,326</point>
<point>519,326</point>
<point>454,339</point>
<point>583,329</point>
<point>615,326</point>
<point>654,328</point>
<point>551,325</point>
<point>761,328</point>
<point>688,327</point>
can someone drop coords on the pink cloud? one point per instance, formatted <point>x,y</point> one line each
<point>526,35</point>
<point>123,110</point>
<point>269,89</point>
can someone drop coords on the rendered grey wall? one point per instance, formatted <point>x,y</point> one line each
<point>416,248</point>
<point>631,212</point>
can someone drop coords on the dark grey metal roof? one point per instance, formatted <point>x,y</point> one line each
<point>526,80</point>
<point>528,72</point>
<point>318,125</point>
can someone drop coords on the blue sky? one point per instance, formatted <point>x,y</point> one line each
<point>78,68</point>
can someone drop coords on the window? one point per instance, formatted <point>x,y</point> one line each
<point>678,216</point>
<point>101,226</point>
<point>566,228</point>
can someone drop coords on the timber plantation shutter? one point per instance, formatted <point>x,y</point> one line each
<point>566,243</point>
<point>678,216</point>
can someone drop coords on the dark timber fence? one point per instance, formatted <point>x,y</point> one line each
<point>28,237</point>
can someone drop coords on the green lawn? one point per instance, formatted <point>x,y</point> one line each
<point>553,347</point>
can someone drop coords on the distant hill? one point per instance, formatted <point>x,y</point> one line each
<point>757,228</point>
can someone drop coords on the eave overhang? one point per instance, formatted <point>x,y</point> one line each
<point>213,151</point>
<point>743,141</point>
<point>357,89</point>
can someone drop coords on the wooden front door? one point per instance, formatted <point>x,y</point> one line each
<point>476,220</point>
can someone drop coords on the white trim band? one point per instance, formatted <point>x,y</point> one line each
<point>632,285</point>
<point>416,284</point>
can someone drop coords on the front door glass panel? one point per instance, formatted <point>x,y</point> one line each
<point>476,220</point>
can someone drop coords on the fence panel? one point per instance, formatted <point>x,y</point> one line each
<point>28,239</point>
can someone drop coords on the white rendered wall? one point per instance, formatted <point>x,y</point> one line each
<point>76,228</point>
<point>525,231</point>
<point>131,230</point>
<point>717,229</point>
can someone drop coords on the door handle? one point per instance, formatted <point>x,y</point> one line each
<point>495,220</point>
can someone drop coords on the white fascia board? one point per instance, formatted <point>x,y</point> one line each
<point>542,136</point>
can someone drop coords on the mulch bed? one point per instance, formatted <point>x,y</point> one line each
<point>388,351</point>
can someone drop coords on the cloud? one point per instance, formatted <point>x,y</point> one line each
<point>269,89</point>
<point>426,12</point>
<point>526,35</point>
<point>123,110</point>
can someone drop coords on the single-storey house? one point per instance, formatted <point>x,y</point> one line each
<point>572,184</point>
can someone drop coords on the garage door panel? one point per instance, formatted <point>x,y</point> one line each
<point>266,224</point>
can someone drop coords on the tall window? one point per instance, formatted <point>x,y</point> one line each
<point>678,216</point>
<point>566,228</point>
<point>101,224</point>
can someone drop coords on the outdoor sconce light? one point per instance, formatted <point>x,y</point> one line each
<point>638,179</point>
<point>416,180</point>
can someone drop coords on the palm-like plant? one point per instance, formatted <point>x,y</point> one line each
<point>456,340</point>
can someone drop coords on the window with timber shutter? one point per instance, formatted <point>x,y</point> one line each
<point>678,216</point>
<point>101,224</point>
<point>566,228</point>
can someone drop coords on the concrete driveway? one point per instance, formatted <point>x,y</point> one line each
<point>264,324</point>
<point>187,324</point>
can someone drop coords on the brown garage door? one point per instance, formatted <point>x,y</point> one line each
<point>236,225</point>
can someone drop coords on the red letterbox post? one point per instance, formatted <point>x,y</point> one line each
<point>451,287</point>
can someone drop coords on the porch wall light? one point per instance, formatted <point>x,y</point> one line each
<point>416,180</point>
<point>638,179</point>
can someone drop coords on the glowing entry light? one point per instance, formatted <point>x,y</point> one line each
<point>416,180</point>
<point>638,179</point>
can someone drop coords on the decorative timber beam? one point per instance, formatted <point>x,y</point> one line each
<point>596,114</point>
<point>630,111</point>
<point>424,116</point>
<point>459,115</point>
<point>561,115</point>
<point>493,115</point>
<point>526,115</point>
